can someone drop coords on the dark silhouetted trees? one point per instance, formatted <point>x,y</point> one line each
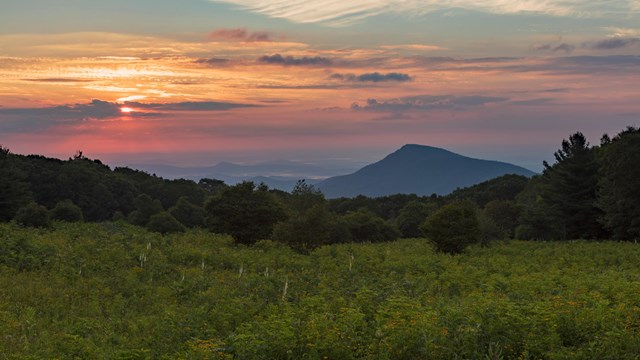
<point>619,185</point>
<point>14,189</point>
<point>310,223</point>
<point>570,185</point>
<point>412,216</point>
<point>244,211</point>
<point>188,214</point>
<point>366,226</point>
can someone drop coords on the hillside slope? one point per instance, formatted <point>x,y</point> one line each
<point>417,169</point>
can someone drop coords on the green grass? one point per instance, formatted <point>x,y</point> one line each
<point>116,291</point>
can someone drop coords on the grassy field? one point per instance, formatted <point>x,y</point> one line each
<point>116,291</point>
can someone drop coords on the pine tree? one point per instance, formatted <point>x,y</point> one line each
<point>569,188</point>
<point>619,185</point>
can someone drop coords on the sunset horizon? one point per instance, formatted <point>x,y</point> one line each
<point>197,82</point>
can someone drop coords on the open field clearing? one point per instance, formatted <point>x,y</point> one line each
<point>116,291</point>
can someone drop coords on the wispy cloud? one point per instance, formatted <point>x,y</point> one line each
<point>33,119</point>
<point>616,42</point>
<point>414,47</point>
<point>57,80</point>
<point>214,61</point>
<point>372,77</point>
<point>278,59</point>
<point>623,32</point>
<point>427,102</point>
<point>564,47</point>
<point>339,13</point>
<point>240,34</point>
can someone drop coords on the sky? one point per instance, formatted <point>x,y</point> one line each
<point>337,83</point>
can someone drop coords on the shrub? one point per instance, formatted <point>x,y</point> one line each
<point>365,226</point>
<point>33,215</point>
<point>164,223</point>
<point>145,208</point>
<point>315,227</point>
<point>67,211</point>
<point>244,211</point>
<point>188,214</point>
<point>412,216</point>
<point>453,227</point>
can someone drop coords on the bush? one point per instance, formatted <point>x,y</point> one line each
<point>67,211</point>
<point>505,214</point>
<point>33,215</point>
<point>164,223</point>
<point>146,207</point>
<point>188,214</point>
<point>244,211</point>
<point>412,216</point>
<point>453,227</point>
<point>365,226</point>
<point>313,228</point>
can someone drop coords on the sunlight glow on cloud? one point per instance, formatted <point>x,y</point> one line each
<point>341,13</point>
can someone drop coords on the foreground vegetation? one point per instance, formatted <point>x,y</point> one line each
<point>114,290</point>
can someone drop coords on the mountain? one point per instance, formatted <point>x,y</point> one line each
<point>280,174</point>
<point>417,169</point>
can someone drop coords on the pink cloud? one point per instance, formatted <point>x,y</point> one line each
<point>240,34</point>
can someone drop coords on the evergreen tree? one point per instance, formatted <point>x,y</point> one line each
<point>14,191</point>
<point>619,185</point>
<point>570,188</point>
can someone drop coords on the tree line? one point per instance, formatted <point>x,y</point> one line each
<point>589,192</point>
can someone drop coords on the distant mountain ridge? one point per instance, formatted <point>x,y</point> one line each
<point>417,169</point>
<point>278,174</point>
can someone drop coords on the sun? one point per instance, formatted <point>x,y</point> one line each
<point>126,110</point>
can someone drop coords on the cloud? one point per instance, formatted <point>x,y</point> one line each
<point>372,77</point>
<point>615,43</point>
<point>622,32</point>
<point>556,90</point>
<point>97,109</point>
<point>533,102</point>
<point>240,34</point>
<point>563,65</point>
<point>427,102</point>
<point>341,13</point>
<point>213,61</point>
<point>19,119</point>
<point>190,106</point>
<point>58,80</point>
<point>293,61</point>
<point>414,47</point>
<point>567,48</point>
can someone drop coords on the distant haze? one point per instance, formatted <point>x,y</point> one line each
<point>417,169</point>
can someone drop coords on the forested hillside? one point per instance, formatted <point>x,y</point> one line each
<point>589,192</point>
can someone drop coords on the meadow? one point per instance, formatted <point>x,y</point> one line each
<point>117,291</point>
